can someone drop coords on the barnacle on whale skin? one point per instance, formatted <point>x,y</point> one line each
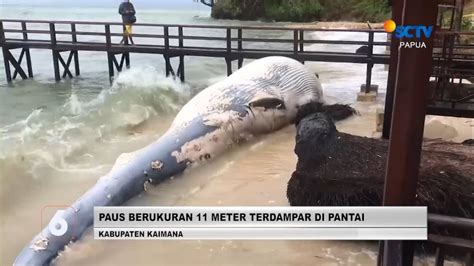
<point>156,165</point>
<point>40,244</point>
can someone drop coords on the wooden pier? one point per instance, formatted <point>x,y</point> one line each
<point>66,39</point>
<point>169,41</point>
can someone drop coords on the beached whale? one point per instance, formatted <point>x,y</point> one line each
<point>260,98</point>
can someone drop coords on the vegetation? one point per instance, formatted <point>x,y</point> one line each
<point>303,10</point>
<point>297,10</point>
<point>467,24</point>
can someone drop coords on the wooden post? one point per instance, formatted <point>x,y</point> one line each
<point>469,258</point>
<point>295,42</point>
<point>229,40</point>
<point>457,17</point>
<point>110,55</point>
<point>8,72</point>
<point>439,256</point>
<point>301,43</point>
<point>392,69</point>
<point>370,65</point>
<point>108,38</point>
<point>5,51</point>
<point>411,85</point>
<point>228,63</point>
<point>76,53</point>
<point>228,60</point>
<point>2,34</point>
<point>239,47</point>
<point>27,50</point>
<point>52,29</point>
<point>181,57</point>
<point>166,34</point>
<point>127,59</point>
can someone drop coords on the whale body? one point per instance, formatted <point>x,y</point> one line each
<point>259,98</point>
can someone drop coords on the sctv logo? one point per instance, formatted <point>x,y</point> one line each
<point>409,32</point>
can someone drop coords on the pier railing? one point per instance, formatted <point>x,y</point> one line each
<point>447,244</point>
<point>228,42</point>
<point>454,64</point>
<point>452,60</point>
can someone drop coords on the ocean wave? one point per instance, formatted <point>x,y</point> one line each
<point>59,137</point>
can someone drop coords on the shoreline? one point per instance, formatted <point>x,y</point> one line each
<point>338,25</point>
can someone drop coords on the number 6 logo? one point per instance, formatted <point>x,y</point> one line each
<point>58,225</point>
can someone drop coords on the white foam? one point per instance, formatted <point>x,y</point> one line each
<point>58,137</point>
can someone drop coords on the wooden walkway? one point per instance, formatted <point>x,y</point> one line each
<point>233,44</point>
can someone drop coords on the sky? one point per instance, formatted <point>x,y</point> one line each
<point>164,4</point>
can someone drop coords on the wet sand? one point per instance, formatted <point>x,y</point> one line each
<point>255,174</point>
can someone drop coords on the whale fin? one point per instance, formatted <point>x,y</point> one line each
<point>268,103</point>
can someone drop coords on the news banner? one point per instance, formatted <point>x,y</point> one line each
<point>265,223</point>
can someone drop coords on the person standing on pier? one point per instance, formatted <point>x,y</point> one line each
<point>127,10</point>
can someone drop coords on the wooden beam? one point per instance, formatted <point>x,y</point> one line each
<point>168,67</point>
<point>122,61</point>
<point>411,90</point>
<point>452,222</point>
<point>439,257</point>
<point>453,242</point>
<point>76,63</point>
<point>17,65</point>
<point>390,91</point>
<point>20,59</point>
<point>181,69</point>
<point>116,64</point>
<point>181,57</point>
<point>370,65</point>
<point>295,42</point>
<point>76,53</point>
<point>127,59</point>
<point>27,50</point>
<point>228,63</point>
<point>240,48</point>
<point>110,60</point>
<point>65,65</point>
<point>52,29</point>
<point>8,73</point>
